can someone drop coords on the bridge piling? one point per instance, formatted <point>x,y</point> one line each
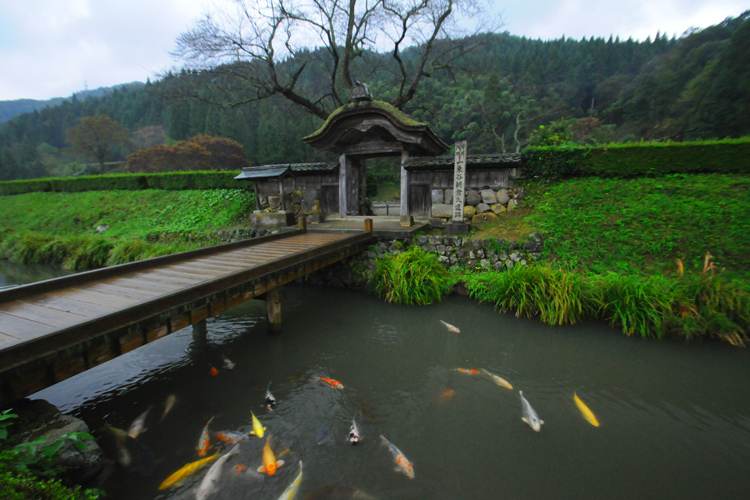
<point>199,336</point>
<point>273,308</point>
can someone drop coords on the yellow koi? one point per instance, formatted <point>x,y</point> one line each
<point>257,426</point>
<point>270,462</point>
<point>497,380</point>
<point>587,414</point>
<point>187,471</point>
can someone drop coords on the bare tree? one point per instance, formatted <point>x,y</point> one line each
<point>263,48</point>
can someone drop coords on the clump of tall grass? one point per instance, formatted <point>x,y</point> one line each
<point>412,277</point>
<point>635,303</point>
<point>556,296</point>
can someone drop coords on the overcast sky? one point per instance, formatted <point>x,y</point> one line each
<point>53,48</point>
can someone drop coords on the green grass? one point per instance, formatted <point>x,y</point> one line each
<point>61,227</point>
<point>412,277</point>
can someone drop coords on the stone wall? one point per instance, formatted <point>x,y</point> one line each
<point>453,251</point>
<point>485,203</point>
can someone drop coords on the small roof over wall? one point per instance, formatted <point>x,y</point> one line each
<point>374,128</point>
<point>285,169</point>
<point>501,160</point>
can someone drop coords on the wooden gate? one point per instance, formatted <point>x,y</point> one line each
<point>329,200</point>
<point>420,200</point>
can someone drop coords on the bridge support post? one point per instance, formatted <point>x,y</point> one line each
<point>273,308</point>
<point>199,336</point>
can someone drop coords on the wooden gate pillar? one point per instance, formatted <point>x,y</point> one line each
<point>273,308</point>
<point>404,184</point>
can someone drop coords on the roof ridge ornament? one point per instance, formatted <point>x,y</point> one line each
<point>359,92</point>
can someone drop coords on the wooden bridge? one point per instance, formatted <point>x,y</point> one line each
<point>54,329</point>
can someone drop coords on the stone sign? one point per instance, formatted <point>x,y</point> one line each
<point>459,181</point>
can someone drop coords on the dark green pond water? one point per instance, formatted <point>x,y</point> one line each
<point>675,417</point>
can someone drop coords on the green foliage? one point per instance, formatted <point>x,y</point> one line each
<point>690,306</point>
<point>412,277</point>
<point>132,182</point>
<point>557,297</point>
<point>28,470</point>
<point>642,225</point>
<point>638,159</point>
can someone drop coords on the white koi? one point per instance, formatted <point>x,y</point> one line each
<point>529,415</point>
<point>138,425</point>
<point>497,380</point>
<point>210,480</point>
<point>450,327</point>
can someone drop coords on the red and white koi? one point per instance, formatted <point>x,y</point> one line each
<point>467,371</point>
<point>231,436</point>
<point>333,383</point>
<point>204,442</point>
<point>402,463</point>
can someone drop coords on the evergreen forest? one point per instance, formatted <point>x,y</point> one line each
<point>497,96</point>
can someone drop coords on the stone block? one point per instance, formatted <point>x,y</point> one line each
<point>469,211</point>
<point>473,198</point>
<point>485,217</point>
<point>443,210</point>
<point>502,196</point>
<point>498,209</point>
<point>448,196</point>
<point>267,220</point>
<point>512,203</point>
<point>437,196</point>
<point>483,207</point>
<point>488,196</point>
<point>457,228</point>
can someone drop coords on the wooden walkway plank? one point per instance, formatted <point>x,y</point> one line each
<point>96,297</point>
<point>70,304</point>
<point>21,328</point>
<point>119,291</point>
<point>41,314</point>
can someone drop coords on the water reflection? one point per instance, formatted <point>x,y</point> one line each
<point>674,418</point>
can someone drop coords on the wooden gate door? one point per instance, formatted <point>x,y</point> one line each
<point>329,200</point>
<point>420,200</point>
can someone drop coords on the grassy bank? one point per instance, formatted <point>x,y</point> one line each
<point>61,227</point>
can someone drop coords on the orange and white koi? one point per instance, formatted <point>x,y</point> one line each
<point>204,442</point>
<point>496,380</point>
<point>257,427</point>
<point>402,463</point>
<point>270,464</point>
<point>186,471</point>
<point>231,436</point>
<point>447,395</point>
<point>333,383</point>
<point>450,327</point>
<point>467,371</point>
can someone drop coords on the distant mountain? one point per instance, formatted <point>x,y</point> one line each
<point>9,109</point>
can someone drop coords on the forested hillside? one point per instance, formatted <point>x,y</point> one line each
<point>695,86</point>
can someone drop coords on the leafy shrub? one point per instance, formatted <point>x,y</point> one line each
<point>412,277</point>
<point>639,159</point>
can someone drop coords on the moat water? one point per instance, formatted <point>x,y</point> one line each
<point>674,417</point>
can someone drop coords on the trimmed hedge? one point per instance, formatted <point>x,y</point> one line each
<point>132,182</point>
<point>638,159</point>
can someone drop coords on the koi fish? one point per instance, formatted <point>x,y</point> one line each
<point>240,468</point>
<point>291,491</point>
<point>138,424</point>
<point>214,371</point>
<point>168,404</point>
<point>120,437</point>
<point>186,471</point>
<point>208,484</point>
<point>447,395</point>
<point>497,380</point>
<point>270,400</point>
<point>402,463</point>
<point>270,464</point>
<point>257,427</point>
<point>323,434</point>
<point>354,436</point>
<point>467,371</point>
<point>332,383</point>
<point>587,414</point>
<point>228,364</point>
<point>231,436</point>
<point>450,327</point>
<point>204,442</point>
<point>529,415</point>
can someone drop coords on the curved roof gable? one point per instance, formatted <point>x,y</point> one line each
<point>374,128</point>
